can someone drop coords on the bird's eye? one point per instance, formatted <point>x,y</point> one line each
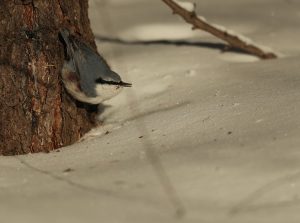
<point>121,83</point>
<point>100,81</point>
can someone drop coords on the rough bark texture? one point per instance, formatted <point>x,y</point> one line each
<point>36,113</point>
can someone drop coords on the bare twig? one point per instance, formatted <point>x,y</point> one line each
<point>187,12</point>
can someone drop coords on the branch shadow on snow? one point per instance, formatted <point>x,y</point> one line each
<point>217,46</point>
<point>251,202</point>
<point>84,187</point>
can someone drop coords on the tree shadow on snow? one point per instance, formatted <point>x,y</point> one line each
<point>217,46</point>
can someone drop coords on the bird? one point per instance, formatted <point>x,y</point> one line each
<point>85,73</point>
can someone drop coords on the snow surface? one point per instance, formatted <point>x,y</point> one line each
<point>226,126</point>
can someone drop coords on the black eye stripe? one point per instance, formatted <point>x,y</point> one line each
<point>121,83</point>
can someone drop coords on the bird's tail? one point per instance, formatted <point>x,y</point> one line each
<point>64,33</point>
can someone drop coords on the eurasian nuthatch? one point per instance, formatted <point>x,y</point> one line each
<point>86,75</point>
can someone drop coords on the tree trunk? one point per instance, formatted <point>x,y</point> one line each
<point>36,113</point>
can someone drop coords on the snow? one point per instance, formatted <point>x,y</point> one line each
<point>225,125</point>
<point>188,6</point>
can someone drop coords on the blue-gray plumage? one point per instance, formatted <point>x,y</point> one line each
<point>88,72</point>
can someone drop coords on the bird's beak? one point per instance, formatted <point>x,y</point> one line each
<point>124,84</point>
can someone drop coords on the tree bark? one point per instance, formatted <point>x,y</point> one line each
<point>36,113</point>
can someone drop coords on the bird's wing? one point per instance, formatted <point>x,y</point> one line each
<point>90,66</point>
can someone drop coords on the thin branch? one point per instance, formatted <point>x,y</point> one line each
<point>187,11</point>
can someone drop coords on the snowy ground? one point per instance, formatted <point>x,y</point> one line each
<point>225,125</point>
